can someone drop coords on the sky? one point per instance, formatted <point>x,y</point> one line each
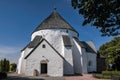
<point>19,18</point>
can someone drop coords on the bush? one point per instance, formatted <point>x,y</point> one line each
<point>3,75</point>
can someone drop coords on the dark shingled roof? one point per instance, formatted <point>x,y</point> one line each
<point>54,21</point>
<point>85,45</point>
<point>88,47</point>
<point>66,40</point>
<point>35,42</point>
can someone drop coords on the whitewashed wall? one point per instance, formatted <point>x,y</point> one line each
<point>68,63</point>
<point>92,58</point>
<point>19,66</point>
<point>85,61</point>
<point>54,37</point>
<point>55,62</point>
<point>77,58</point>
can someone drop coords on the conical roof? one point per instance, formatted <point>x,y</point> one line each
<point>54,21</point>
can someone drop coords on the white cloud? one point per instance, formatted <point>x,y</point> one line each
<point>9,52</point>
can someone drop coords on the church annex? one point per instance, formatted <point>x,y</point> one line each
<point>55,50</point>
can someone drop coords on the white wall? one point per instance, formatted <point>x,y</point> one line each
<point>55,62</point>
<point>84,59</point>
<point>77,57</point>
<point>68,63</point>
<point>92,58</point>
<point>54,37</point>
<point>19,66</point>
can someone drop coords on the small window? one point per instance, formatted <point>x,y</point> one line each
<point>89,63</point>
<point>43,46</point>
<point>66,31</point>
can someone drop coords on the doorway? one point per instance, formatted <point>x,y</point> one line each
<point>43,68</point>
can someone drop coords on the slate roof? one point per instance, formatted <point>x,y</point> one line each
<point>66,41</point>
<point>54,21</point>
<point>89,47</point>
<point>33,43</point>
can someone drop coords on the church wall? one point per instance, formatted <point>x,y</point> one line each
<point>85,61</point>
<point>77,58</point>
<point>54,61</point>
<point>23,61</point>
<point>54,37</point>
<point>91,61</point>
<point>20,63</point>
<point>68,63</point>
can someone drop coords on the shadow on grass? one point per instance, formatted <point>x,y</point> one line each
<point>22,78</point>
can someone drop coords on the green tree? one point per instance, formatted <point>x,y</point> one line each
<point>111,51</point>
<point>4,65</point>
<point>13,67</point>
<point>103,14</point>
<point>1,66</point>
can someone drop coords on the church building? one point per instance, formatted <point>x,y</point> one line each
<point>55,50</point>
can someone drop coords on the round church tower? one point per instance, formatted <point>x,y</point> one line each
<point>54,29</point>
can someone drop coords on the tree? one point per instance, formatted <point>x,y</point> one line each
<point>1,66</point>
<point>4,65</point>
<point>13,67</point>
<point>111,51</point>
<point>102,14</point>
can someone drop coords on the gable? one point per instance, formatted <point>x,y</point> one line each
<point>50,47</point>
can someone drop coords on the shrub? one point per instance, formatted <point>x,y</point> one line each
<point>3,75</point>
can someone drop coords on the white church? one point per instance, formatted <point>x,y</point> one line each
<point>55,50</point>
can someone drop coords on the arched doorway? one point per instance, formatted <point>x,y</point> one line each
<point>44,67</point>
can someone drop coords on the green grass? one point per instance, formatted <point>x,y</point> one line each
<point>108,74</point>
<point>103,76</point>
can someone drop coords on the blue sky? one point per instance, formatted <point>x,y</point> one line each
<point>19,18</point>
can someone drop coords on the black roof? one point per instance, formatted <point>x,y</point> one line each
<point>88,47</point>
<point>54,21</point>
<point>33,43</point>
<point>85,45</point>
<point>66,40</point>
